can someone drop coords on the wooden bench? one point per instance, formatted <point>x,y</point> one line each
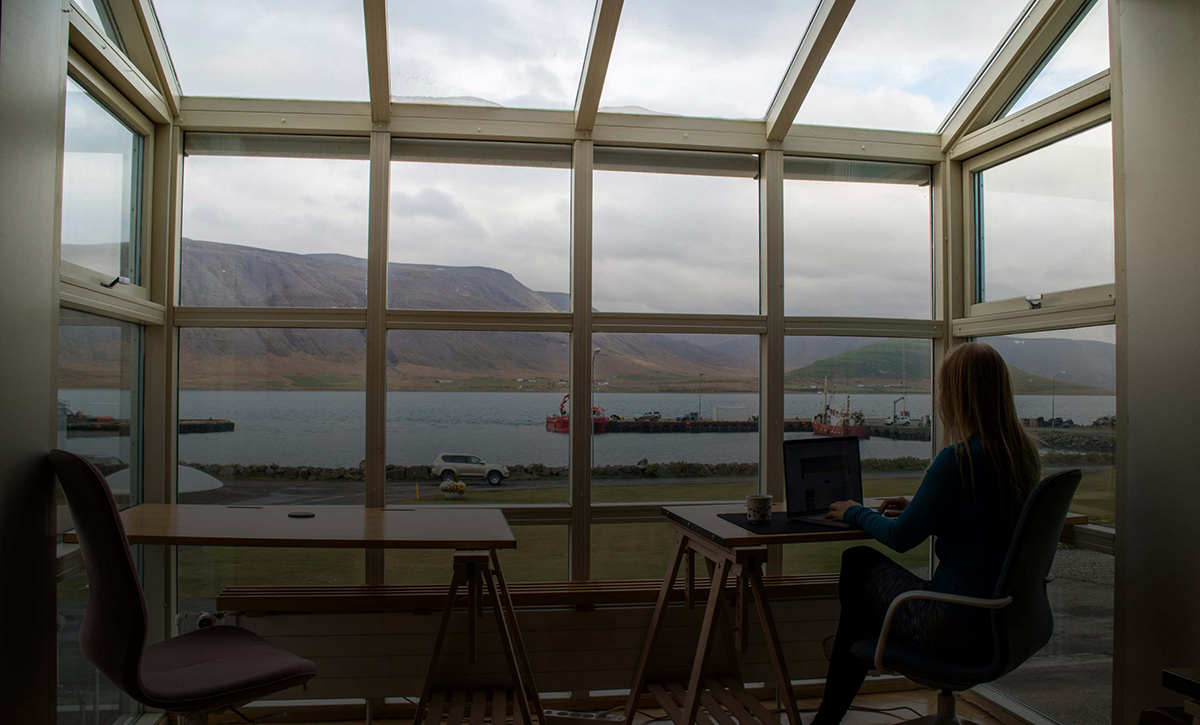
<point>428,598</point>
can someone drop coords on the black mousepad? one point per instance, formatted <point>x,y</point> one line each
<point>779,524</point>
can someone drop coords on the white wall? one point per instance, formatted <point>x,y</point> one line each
<point>1156,61</point>
<point>32,51</point>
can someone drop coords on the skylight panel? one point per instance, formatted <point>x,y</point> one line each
<point>517,53</point>
<point>305,49</point>
<point>1082,54</point>
<point>904,65</point>
<point>703,58</point>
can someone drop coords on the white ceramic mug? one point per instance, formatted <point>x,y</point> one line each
<point>758,508</point>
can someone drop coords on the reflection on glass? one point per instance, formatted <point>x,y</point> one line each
<point>1046,218</point>
<point>723,60</point>
<point>472,237</point>
<point>1082,54</point>
<point>271,416</point>
<point>274,232</point>
<point>541,555</point>
<point>858,247</point>
<point>676,417</point>
<point>1064,389</point>
<point>98,12</point>
<point>85,697</point>
<point>904,66</point>
<point>100,400</point>
<point>674,242</point>
<point>306,49</point>
<point>525,54</point>
<point>476,407</point>
<point>101,188</point>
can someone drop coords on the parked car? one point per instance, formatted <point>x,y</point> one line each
<point>457,466</point>
<point>650,416</point>
<point>901,419</point>
<point>689,417</point>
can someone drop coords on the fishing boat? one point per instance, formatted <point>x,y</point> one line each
<point>845,422</point>
<point>561,423</point>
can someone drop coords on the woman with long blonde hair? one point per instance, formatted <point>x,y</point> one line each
<point>970,499</point>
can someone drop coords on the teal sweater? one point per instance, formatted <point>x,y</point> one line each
<point>972,527</point>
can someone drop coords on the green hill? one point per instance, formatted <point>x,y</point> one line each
<point>905,365</point>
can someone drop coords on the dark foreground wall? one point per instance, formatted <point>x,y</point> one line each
<point>31,56</point>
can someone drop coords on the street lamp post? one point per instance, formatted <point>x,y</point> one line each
<point>1053,390</point>
<point>700,399</point>
<point>595,354</point>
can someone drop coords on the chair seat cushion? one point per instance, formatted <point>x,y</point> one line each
<point>925,669</point>
<point>218,666</point>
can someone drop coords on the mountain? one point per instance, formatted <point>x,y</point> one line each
<point>226,275</point>
<point>906,365</point>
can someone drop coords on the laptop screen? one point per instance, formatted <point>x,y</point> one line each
<point>820,471</point>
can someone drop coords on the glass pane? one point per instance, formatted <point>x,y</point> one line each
<point>659,240</point>
<point>634,551</point>
<point>98,12</point>
<point>100,401</point>
<point>723,60</point>
<point>102,188</point>
<point>271,416</point>
<point>308,49</point>
<point>1082,54</point>
<point>474,407</point>
<point>1046,218</point>
<point>473,237</point>
<point>274,232</point>
<point>203,571</point>
<point>1065,385</point>
<point>85,697</point>
<point>904,66</point>
<point>858,248</point>
<point>676,417</point>
<point>525,54</point>
<point>884,387</point>
<point>541,555</point>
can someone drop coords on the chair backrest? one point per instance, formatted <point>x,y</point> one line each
<point>113,633</point>
<point>1025,626</point>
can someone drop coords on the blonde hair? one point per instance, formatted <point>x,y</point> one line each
<point>975,398</point>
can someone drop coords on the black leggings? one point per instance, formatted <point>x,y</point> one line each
<point>869,582</point>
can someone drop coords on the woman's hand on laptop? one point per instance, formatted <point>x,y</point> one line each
<point>893,504</point>
<point>839,508</point>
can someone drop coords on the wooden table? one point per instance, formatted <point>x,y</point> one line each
<point>475,535</point>
<point>729,550</point>
<point>1185,681</point>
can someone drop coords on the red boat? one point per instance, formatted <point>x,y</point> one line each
<point>561,423</point>
<point>845,422</point>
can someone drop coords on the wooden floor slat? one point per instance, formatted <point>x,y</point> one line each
<point>714,709</point>
<point>478,707</point>
<point>499,707</point>
<point>665,701</point>
<point>437,702</point>
<point>458,703</point>
<point>731,704</point>
<point>749,701</point>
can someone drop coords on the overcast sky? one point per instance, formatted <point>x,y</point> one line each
<point>663,243</point>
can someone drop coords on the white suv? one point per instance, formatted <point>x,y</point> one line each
<point>456,466</point>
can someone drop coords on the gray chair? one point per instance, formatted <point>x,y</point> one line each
<point>206,671</point>
<point>1022,622</point>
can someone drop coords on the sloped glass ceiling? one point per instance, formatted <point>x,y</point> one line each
<point>517,53</point>
<point>905,65</point>
<point>306,49</point>
<point>1081,55</point>
<point>703,57</point>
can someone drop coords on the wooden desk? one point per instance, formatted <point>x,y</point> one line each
<point>474,534</point>
<point>729,550</point>
<point>1185,681</point>
<point>332,527</point>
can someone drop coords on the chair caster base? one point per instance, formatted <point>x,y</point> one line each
<point>939,720</point>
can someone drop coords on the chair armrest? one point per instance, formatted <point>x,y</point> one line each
<point>934,596</point>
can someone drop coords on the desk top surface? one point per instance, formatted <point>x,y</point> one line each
<point>1184,680</point>
<point>332,527</point>
<point>705,520</point>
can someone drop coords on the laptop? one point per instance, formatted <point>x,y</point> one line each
<point>817,472</point>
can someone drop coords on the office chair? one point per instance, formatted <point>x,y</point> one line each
<point>202,672</point>
<point>1022,621</point>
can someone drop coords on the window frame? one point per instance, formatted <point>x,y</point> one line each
<point>1073,299</point>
